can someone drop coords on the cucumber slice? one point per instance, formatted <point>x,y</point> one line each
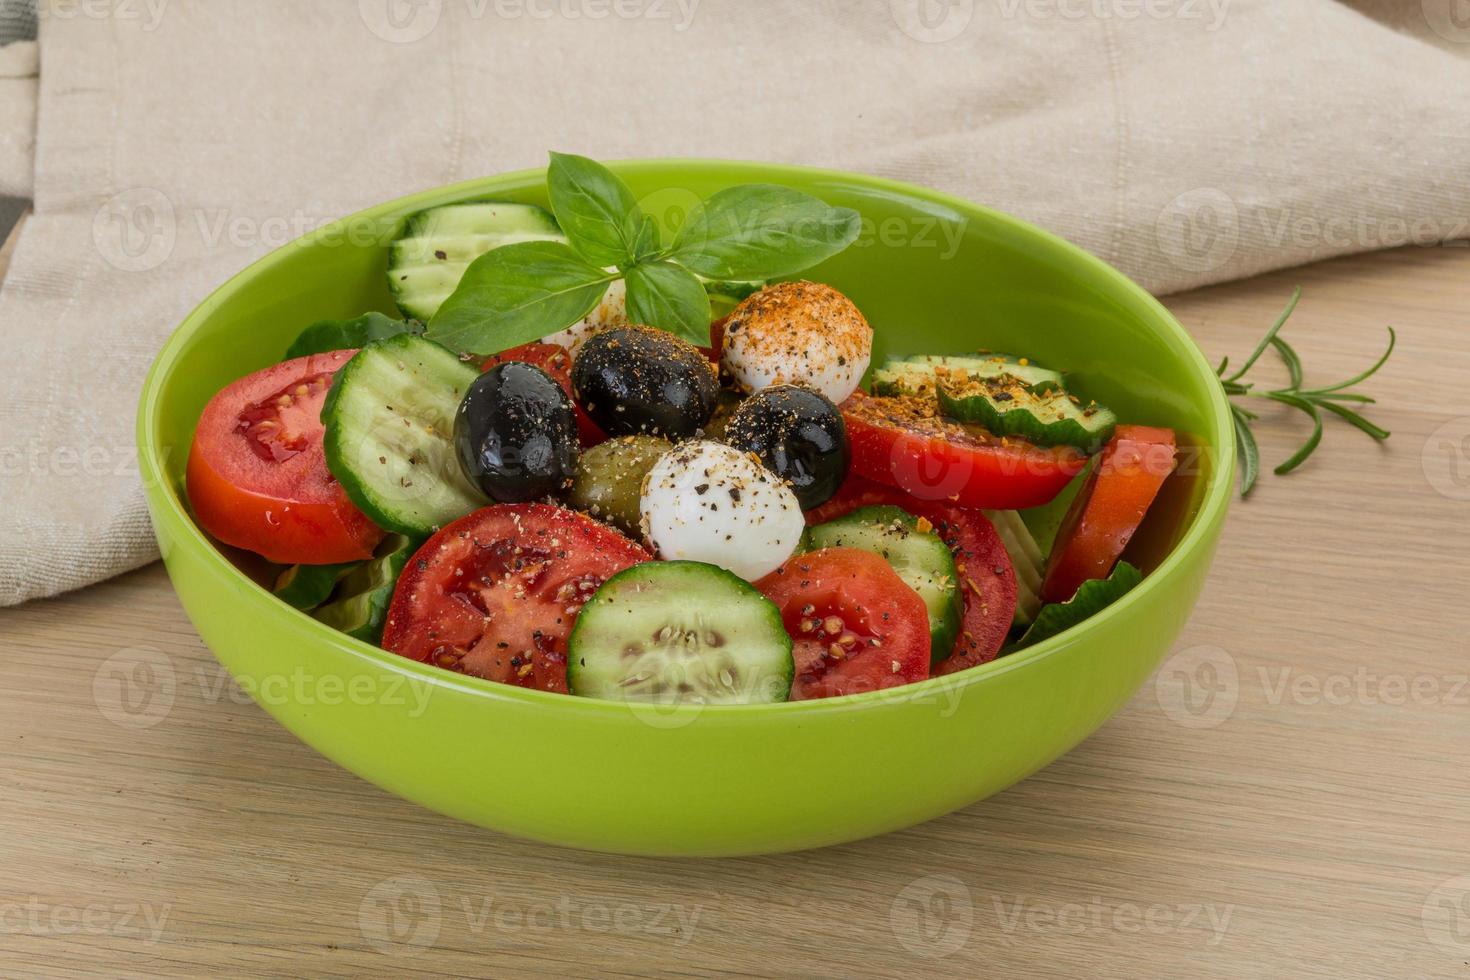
<point>359,604</point>
<point>988,365</point>
<point>1094,596</point>
<point>427,260</point>
<point>917,554</point>
<point>1010,404</point>
<point>389,420</point>
<point>307,586</point>
<point>1026,558</point>
<point>902,378</point>
<point>915,375</point>
<point>671,632</point>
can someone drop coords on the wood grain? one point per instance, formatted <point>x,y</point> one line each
<point>1311,820</point>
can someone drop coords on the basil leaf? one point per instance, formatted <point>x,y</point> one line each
<point>663,295</point>
<point>761,231</point>
<point>647,242</point>
<point>1092,597</point>
<point>596,210</point>
<point>330,335</point>
<point>515,294</point>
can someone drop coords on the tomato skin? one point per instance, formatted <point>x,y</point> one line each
<point>716,340</point>
<point>1108,509</point>
<point>257,476</point>
<point>934,460</point>
<point>556,361</point>
<point>987,577</point>
<point>872,602</point>
<point>495,593</point>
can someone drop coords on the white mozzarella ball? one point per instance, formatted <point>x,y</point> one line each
<point>705,501</point>
<point>610,311</point>
<point>801,332</point>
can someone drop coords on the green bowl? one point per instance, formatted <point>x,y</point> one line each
<point>933,274</point>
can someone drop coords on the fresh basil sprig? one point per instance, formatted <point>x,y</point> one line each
<point>515,294</point>
<point>669,296</point>
<point>519,293</point>
<point>761,231</point>
<point>597,211</point>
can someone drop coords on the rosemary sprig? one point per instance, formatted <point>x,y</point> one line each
<point>1310,401</point>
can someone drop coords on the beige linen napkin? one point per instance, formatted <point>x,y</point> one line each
<point>1185,141</point>
<point>18,72</point>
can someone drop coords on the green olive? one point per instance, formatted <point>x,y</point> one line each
<point>725,406</point>
<point>609,480</point>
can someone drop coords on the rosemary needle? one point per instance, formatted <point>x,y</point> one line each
<point>1311,402</point>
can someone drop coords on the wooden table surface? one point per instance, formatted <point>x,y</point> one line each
<point>1289,796</point>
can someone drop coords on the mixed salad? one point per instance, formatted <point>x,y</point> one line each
<point>616,510</point>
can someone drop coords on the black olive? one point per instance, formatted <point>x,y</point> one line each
<point>640,381</point>
<point>516,433</point>
<point>798,434</point>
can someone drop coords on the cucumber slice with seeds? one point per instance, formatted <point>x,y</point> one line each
<point>429,257</point>
<point>427,260</point>
<point>1009,396</point>
<point>915,375</point>
<point>1042,413</point>
<point>989,363</point>
<point>389,420</point>
<point>679,632</point>
<point>917,554</point>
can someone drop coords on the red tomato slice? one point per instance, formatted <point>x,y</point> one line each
<point>495,593</point>
<point>854,624</point>
<point>716,340</point>
<point>901,442</point>
<point>1108,508</point>
<point>987,577</point>
<point>556,361</point>
<point>257,476</point>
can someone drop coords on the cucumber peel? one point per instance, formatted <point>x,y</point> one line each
<point>435,247</point>
<point>1008,396</point>
<point>389,420</point>
<point>1041,412</point>
<point>430,255</point>
<point>640,639</point>
<point>1092,597</point>
<point>920,557</point>
<point>916,375</point>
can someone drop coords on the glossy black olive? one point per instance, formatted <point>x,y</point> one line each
<point>516,433</point>
<point>798,434</point>
<point>640,381</point>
